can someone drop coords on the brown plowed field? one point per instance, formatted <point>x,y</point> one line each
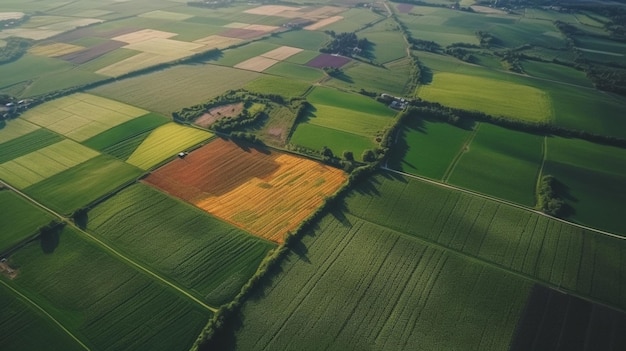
<point>264,192</point>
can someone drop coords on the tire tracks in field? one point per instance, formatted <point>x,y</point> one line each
<point>111,250</point>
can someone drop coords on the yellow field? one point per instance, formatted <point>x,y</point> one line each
<point>144,34</point>
<point>261,27</point>
<point>16,128</point>
<point>44,163</point>
<point>282,53</point>
<point>236,25</point>
<point>270,10</point>
<point>217,42</point>
<point>54,50</point>
<point>322,12</point>
<point>323,23</point>
<point>165,142</point>
<point>10,15</point>
<point>81,116</point>
<point>29,33</point>
<point>256,64</point>
<point>165,47</point>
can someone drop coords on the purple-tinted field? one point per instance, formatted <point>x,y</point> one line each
<point>117,32</point>
<point>326,60</point>
<point>404,8</point>
<point>241,33</point>
<point>83,56</point>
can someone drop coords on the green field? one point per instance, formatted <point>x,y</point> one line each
<point>164,142</point>
<point>559,73</point>
<point>242,53</point>
<point>26,328</point>
<point>389,292</point>
<point>593,176</point>
<point>354,102</point>
<point>27,143</point>
<point>316,137</point>
<point>307,40</point>
<point>393,78</point>
<point>386,42</point>
<point>493,97</point>
<point>80,185</point>
<point>426,148</point>
<point>295,72</point>
<point>348,120</point>
<point>43,163</point>
<point>268,84</point>
<point>502,163</point>
<point>113,306</point>
<point>203,254</point>
<point>353,19</point>
<point>172,89</point>
<point>512,238</point>
<point>19,219</point>
<point>15,128</point>
<point>125,131</point>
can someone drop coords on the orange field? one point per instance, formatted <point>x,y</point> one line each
<point>264,192</point>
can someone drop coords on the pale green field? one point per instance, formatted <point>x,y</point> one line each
<point>82,116</point>
<point>491,96</point>
<point>44,163</point>
<point>164,142</point>
<point>16,128</point>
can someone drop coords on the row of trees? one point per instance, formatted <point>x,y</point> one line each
<point>14,49</point>
<point>344,43</point>
<point>549,201</point>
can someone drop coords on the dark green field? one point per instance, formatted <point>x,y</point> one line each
<point>18,219</point>
<point>125,131</point>
<point>27,143</point>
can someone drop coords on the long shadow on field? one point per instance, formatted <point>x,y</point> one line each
<point>426,75</point>
<point>368,51</point>
<point>339,212</point>
<point>368,186</point>
<point>394,176</point>
<point>307,115</point>
<point>49,239</point>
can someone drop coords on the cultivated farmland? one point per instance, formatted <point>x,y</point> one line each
<point>264,192</point>
<point>212,258</point>
<point>18,219</point>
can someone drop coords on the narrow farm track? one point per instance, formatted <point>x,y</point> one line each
<point>112,250</point>
<point>528,209</point>
<point>40,309</point>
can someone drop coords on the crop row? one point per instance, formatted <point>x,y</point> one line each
<point>520,240</point>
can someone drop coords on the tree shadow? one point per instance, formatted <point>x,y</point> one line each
<point>308,114</point>
<point>49,238</point>
<point>368,51</point>
<point>342,76</point>
<point>368,186</point>
<point>339,212</point>
<point>426,75</point>
<point>81,218</point>
<point>3,123</point>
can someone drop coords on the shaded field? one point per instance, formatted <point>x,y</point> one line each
<point>391,79</point>
<point>83,184</point>
<point>172,89</point>
<point>81,116</point>
<point>426,148</point>
<point>553,320</point>
<point>354,102</point>
<point>304,40</point>
<point>389,292</point>
<point>19,219</point>
<point>25,328</point>
<point>101,300</point>
<point>549,251</point>
<point>295,72</point>
<point>46,162</point>
<point>264,192</point>
<point>592,178</point>
<point>27,143</point>
<point>164,142</point>
<point>315,137</point>
<point>501,162</point>
<point>458,90</point>
<point>125,131</point>
<point>201,253</point>
<point>348,120</point>
<point>277,85</point>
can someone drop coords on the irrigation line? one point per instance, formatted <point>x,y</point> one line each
<point>112,250</point>
<point>505,202</point>
<point>31,302</point>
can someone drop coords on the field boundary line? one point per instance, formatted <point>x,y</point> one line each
<point>505,202</point>
<point>112,250</point>
<point>544,155</point>
<point>32,303</point>
<point>464,149</point>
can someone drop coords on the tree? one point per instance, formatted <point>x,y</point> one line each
<point>368,156</point>
<point>327,153</point>
<point>348,156</point>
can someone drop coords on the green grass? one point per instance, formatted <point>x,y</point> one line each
<point>164,142</point>
<point>593,176</point>
<point>512,238</point>
<point>172,89</point>
<point>27,143</point>
<point>82,184</point>
<point>108,59</point>
<point>125,131</point>
<point>353,19</point>
<point>103,301</point>
<point>556,72</point>
<point>354,102</point>
<point>268,84</point>
<point>30,67</point>
<point>302,57</point>
<point>26,328</point>
<point>389,292</point>
<point>391,79</point>
<point>529,31</point>
<point>15,128</point>
<point>294,71</point>
<point>234,56</point>
<point>501,162</point>
<point>316,137</point>
<point>349,121</point>
<point>201,253</point>
<point>19,219</point>
<point>307,40</point>
<point>61,80</point>
<point>493,97</point>
<point>426,148</point>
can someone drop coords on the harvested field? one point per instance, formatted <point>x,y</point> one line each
<point>86,55</point>
<point>241,33</point>
<point>261,27</point>
<point>270,10</point>
<point>404,8</point>
<point>323,23</point>
<point>29,33</point>
<point>256,64</point>
<point>322,12</point>
<point>236,25</point>
<point>54,50</point>
<point>111,33</point>
<point>282,53</point>
<point>217,41</point>
<point>326,60</point>
<point>165,15</point>
<point>264,192</point>
<point>489,10</point>
<point>162,46</point>
<point>217,113</point>
<point>136,62</point>
<point>10,15</point>
<point>144,34</point>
